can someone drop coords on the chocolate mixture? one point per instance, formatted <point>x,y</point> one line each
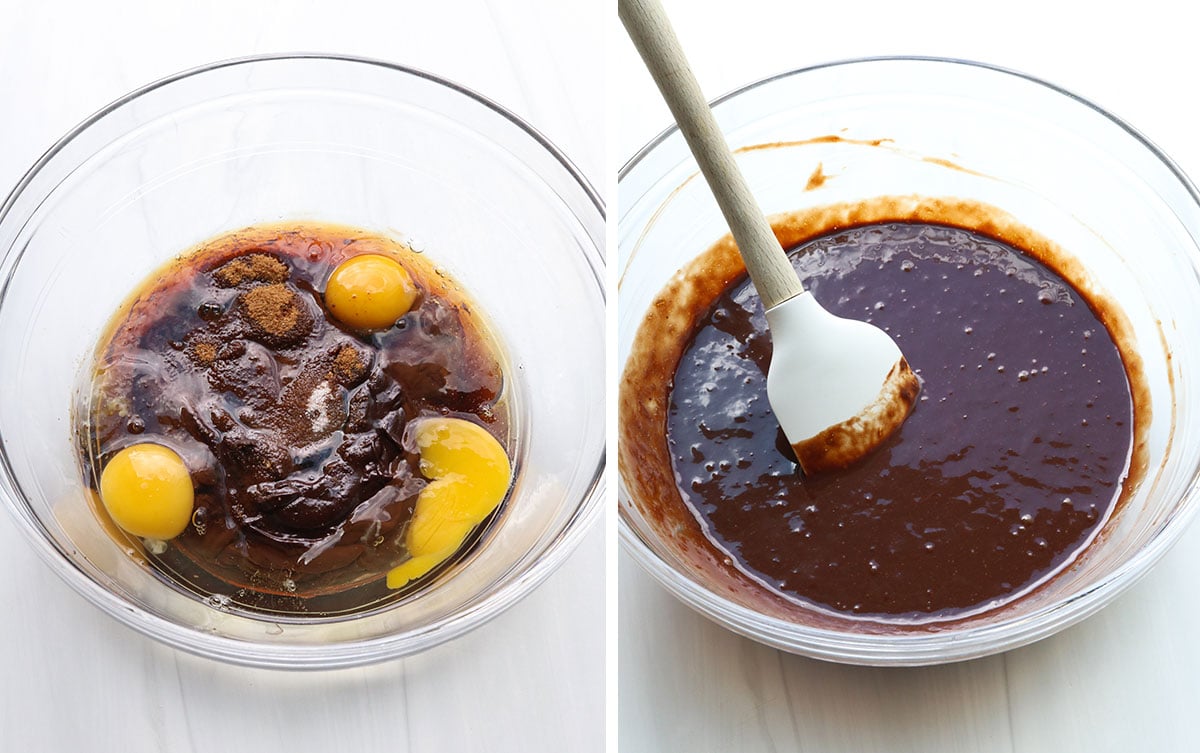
<point>954,518</point>
<point>1009,463</point>
<point>291,425</point>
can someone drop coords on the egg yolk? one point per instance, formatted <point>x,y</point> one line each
<point>369,292</point>
<point>469,475</point>
<point>147,491</point>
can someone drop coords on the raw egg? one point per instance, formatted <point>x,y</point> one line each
<point>370,292</point>
<point>147,491</point>
<point>469,475</point>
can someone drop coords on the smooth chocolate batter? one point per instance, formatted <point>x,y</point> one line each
<point>1010,462</point>
<point>291,425</point>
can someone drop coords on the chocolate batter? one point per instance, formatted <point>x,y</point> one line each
<point>1011,460</point>
<point>291,425</point>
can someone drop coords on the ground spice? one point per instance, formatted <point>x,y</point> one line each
<point>348,365</point>
<point>273,308</point>
<point>251,268</point>
<point>204,352</point>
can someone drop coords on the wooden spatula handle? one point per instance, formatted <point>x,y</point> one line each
<point>656,42</point>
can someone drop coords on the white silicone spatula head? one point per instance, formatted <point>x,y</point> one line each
<point>839,387</point>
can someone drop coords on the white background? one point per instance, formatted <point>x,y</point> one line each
<point>71,679</point>
<point>1127,679</point>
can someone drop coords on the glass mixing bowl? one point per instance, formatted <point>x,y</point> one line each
<point>940,128</point>
<point>328,139</point>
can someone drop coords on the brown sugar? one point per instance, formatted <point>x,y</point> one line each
<point>274,309</point>
<point>251,268</point>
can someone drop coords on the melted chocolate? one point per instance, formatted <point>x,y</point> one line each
<point>291,425</point>
<point>1010,462</point>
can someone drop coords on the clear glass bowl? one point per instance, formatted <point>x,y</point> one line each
<point>338,140</point>
<point>1063,167</point>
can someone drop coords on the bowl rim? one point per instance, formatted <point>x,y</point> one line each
<point>342,653</point>
<point>487,102</point>
<point>899,648</point>
<point>641,154</point>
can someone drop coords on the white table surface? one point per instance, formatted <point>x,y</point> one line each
<point>71,679</point>
<point>1128,679</point>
